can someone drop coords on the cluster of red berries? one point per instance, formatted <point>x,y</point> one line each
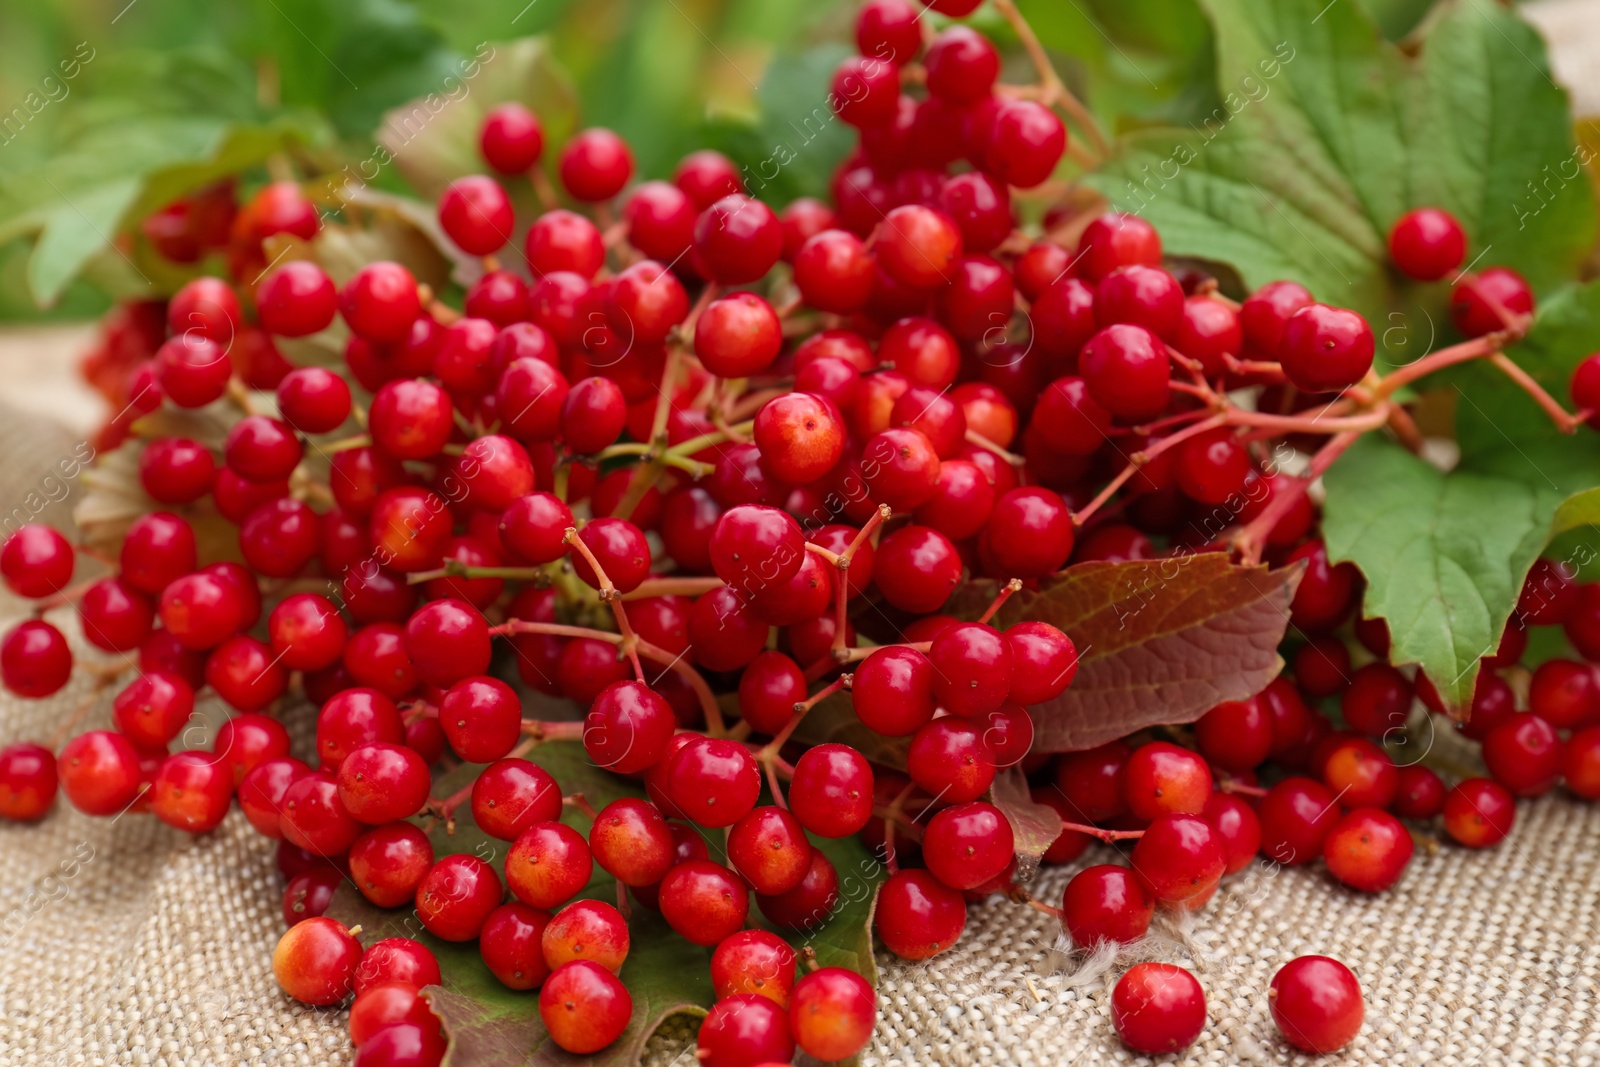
<point>713,437</point>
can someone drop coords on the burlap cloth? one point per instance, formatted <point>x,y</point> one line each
<point>125,942</point>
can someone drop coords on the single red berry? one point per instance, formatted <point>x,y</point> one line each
<point>1296,815</point>
<point>832,1012</point>
<point>1368,849</point>
<point>918,916</point>
<point>37,561</point>
<point>512,945</point>
<point>1158,1008</point>
<point>704,901</point>
<point>389,862</point>
<point>744,1028</point>
<point>1316,1003</point>
<point>381,302</point>
<point>595,165</point>
<point>315,961</point>
<point>737,240</point>
<point>34,659</point>
<point>962,65</point>
<point>1419,794</point>
<point>918,246</point>
<point>754,962</point>
<point>587,929</point>
<point>1238,830</point>
<point>1524,755</point>
<point>1126,370</point>
<point>1427,243</point>
<point>457,896</point>
<point>511,138</point>
<point>1178,858</point>
<point>1025,144</point>
<point>584,1007</point>
<point>296,299</point>
<point>1326,349</point>
<point>628,728</point>
<point>968,844</point>
<point>396,959</point>
<point>548,865</point>
<point>1105,903</point>
<point>1161,778</point>
<point>1479,813</point>
<point>27,781</point>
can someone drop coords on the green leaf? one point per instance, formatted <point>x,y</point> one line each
<point>75,203</point>
<point>1159,641</point>
<point>1327,134</point>
<point>1444,554</point>
<point>74,232</point>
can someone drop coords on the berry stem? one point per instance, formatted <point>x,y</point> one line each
<point>581,802</point>
<point>776,788</point>
<point>1405,429</point>
<point>1139,459</point>
<point>1102,834</point>
<point>1018,895</point>
<point>1256,368</point>
<point>653,587</point>
<point>1230,784</point>
<point>548,200</point>
<point>688,448</point>
<point>1004,595</point>
<point>609,595</point>
<point>1477,348</point>
<point>708,701</point>
<point>831,557</point>
<point>541,730</point>
<point>772,747</point>
<point>1564,421</point>
<point>1056,91</point>
<point>360,440</point>
<point>976,438</point>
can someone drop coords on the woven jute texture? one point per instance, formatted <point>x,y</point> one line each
<point>125,942</point>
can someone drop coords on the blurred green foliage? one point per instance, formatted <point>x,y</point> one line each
<point>176,81</point>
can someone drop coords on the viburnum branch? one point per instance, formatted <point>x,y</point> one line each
<point>1477,348</point>
<point>1139,459</point>
<point>1405,429</point>
<point>1369,420</point>
<point>688,448</point>
<point>1253,538</point>
<point>1005,594</point>
<point>1056,91</point>
<point>1255,368</point>
<point>675,661</point>
<point>608,594</point>
<point>1565,422</point>
<point>1101,833</point>
<point>454,568</point>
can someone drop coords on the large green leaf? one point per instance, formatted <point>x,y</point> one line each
<point>74,204</point>
<point>1328,133</point>
<point>1445,554</point>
